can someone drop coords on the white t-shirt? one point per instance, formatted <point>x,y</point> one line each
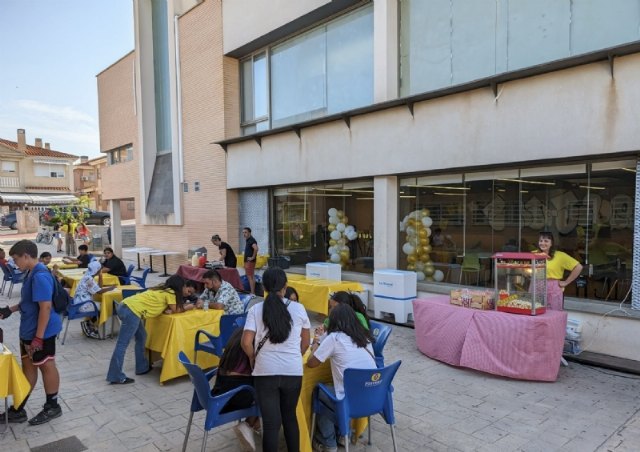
<point>278,359</point>
<point>344,354</point>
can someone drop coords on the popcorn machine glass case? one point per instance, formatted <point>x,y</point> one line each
<point>521,282</point>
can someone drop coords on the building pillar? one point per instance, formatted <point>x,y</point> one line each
<point>116,227</point>
<point>385,50</point>
<point>635,275</point>
<point>385,222</point>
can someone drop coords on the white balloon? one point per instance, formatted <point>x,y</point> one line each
<point>352,235</point>
<point>428,231</point>
<point>334,220</point>
<point>402,225</point>
<point>335,257</point>
<point>438,275</point>
<point>333,212</point>
<point>332,249</point>
<point>427,222</point>
<point>411,231</point>
<point>419,266</point>
<point>349,229</point>
<point>420,276</point>
<point>408,248</point>
<point>340,227</point>
<point>335,235</point>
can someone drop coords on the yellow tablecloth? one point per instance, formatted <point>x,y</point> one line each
<point>106,301</point>
<point>295,277</point>
<point>12,380</point>
<point>61,265</point>
<point>261,261</point>
<point>170,334</point>
<point>314,293</point>
<point>74,275</point>
<point>310,378</point>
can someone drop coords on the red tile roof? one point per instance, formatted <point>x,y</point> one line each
<point>36,151</point>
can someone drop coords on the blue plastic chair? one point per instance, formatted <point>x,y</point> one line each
<point>73,312</point>
<point>10,276</point>
<point>202,399</point>
<point>215,344</point>
<point>246,299</point>
<point>140,280</point>
<point>126,280</point>
<point>381,332</point>
<point>366,392</point>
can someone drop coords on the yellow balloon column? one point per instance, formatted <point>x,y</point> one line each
<point>417,229</point>
<point>340,233</point>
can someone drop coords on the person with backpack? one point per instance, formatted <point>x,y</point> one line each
<point>39,326</point>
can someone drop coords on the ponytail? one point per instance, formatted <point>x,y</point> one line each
<point>275,315</point>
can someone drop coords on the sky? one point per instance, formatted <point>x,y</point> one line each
<point>50,53</point>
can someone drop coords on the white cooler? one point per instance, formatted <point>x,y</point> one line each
<point>394,292</point>
<point>324,270</point>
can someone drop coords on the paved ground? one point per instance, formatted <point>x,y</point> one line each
<point>438,407</point>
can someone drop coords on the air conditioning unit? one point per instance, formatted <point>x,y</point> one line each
<point>85,178</point>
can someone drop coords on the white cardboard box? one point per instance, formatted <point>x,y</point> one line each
<point>395,284</point>
<point>324,270</point>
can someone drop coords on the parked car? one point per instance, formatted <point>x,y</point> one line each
<point>49,216</point>
<point>10,220</point>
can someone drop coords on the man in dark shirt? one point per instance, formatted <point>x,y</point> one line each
<point>83,258</point>
<point>250,257</point>
<point>226,252</point>
<point>113,265</point>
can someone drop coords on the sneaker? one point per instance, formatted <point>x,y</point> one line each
<point>319,447</point>
<point>14,416</point>
<point>84,325</point>
<point>245,435</point>
<point>48,412</point>
<point>340,441</point>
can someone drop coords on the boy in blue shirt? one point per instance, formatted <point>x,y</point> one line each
<point>39,326</point>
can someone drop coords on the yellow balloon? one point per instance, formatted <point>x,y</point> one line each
<point>411,267</point>
<point>331,227</point>
<point>344,254</point>
<point>425,212</point>
<point>427,248</point>
<point>411,258</point>
<point>428,270</point>
<point>332,242</point>
<point>411,222</point>
<point>419,252</point>
<point>424,242</point>
<point>422,232</point>
<point>425,258</point>
<point>345,219</point>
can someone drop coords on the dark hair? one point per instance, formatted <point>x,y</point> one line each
<point>233,354</point>
<point>549,235</point>
<point>45,254</point>
<point>215,237</point>
<point>275,315</point>
<point>343,319</point>
<point>353,300</point>
<point>247,228</point>
<point>83,248</point>
<point>291,291</point>
<point>212,274</point>
<point>108,250</point>
<point>175,283</point>
<point>24,247</point>
<point>189,283</point>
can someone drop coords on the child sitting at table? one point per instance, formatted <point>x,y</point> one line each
<point>347,298</point>
<point>235,370</point>
<point>86,289</point>
<point>348,345</point>
<point>292,294</point>
<point>143,305</point>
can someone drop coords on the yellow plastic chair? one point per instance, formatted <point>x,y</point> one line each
<point>470,264</point>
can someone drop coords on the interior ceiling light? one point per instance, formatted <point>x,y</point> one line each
<point>524,181</point>
<point>592,187</point>
<point>631,170</point>
<point>449,194</point>
<point>444,187</point>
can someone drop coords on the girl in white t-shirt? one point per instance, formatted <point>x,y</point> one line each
<point>348,344</point>
<point>276,335</point>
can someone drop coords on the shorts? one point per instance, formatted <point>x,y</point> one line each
<point>250,268</point>
<point>40,357</point>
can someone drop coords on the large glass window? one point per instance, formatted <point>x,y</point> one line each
<point>326,223</point>
<point>326,70</point>
<point>444,43</point>
<point>458,221</point>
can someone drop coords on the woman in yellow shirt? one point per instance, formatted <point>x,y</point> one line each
<point>557,264</point>
<point>132,311</point>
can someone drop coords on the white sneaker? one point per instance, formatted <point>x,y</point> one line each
<point>245,435</point>
<point>319,447</point>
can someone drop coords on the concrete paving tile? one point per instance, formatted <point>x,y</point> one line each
<point>457,440</point>
<point>489,434</point>
<point>40,440</point>
<point>471,424</point>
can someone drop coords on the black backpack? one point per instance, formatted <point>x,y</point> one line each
<point>60,298</point>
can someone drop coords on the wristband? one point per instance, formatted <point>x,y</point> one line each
<point>5,312</point>
<point>37,343</point>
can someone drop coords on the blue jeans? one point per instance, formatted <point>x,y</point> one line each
<point>131,326</point>
<point>325,428</point>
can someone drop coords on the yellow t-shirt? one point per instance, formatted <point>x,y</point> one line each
<point>558,264</point>
<point>150,303</point>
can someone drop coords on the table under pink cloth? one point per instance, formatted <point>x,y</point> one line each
<point>230,275</point>
<point>516,346</point>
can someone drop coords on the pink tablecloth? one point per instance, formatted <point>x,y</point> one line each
<point>230,275</point>
<point>511,345</point>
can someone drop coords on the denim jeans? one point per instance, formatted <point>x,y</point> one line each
<point>325,428</point>
<point>278,396</point>
<point>131,326</point>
